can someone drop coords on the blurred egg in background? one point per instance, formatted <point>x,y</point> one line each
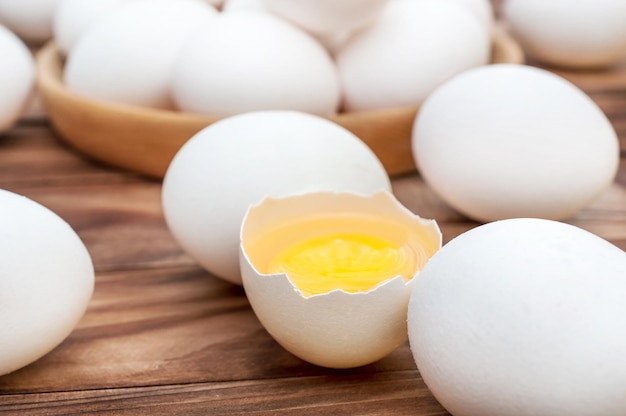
<point>253,61</point>
<point>72,18</point>
<point>408,51</point>
<point>127,58</point>
<point>31,20</point>
<point>17,78</point>
<point>576,34</point>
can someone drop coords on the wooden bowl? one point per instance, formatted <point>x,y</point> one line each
<point>145,140</point>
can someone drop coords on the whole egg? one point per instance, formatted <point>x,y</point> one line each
<point>523,317</point>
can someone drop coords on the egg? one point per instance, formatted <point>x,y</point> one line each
<point>504,141</point>
<point>46,283</point>
<point>31,20</point>
<point>245,5</point>
<point>327,17</point>
<point>242,159</point>
<point>411,49</point>
<point>17,78</point>
<point>254,61</point>
<point>72,18</point>
<point>481,9</point>
<point>580,34</point>
<point>128,57</point>
<point>523,317</point>
<point>329,275</point>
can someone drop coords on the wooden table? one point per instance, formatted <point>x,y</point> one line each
<point>161,336</point>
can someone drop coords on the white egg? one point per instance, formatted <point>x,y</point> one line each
<point>46,282</point>
<point>245,5</point>
<point>340,300</point>
<point>239,160</point>
<point>254,61</point>
<point>482,10</point>
<point>215,3</point>
<point>411,49</point>
<point>31,20</point>
<point>72,18</point>
<point>523,317</point>
<point>507,141</point>
<point>327,17</point>
<point>128,57</point>
<point>579,34</point>
<point>17,78</point>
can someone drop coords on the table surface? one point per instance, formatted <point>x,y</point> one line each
<point>162,336</point>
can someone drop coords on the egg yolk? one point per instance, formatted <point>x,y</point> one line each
<point>353,254</point>
<point>352,262</point>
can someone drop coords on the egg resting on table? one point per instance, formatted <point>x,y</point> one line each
<point>523,317</point>
<point>504,141</point>
<point>239,160</point>
<point>329,274</point>
<point>46,282</point>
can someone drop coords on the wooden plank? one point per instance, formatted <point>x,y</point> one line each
<point>122,224</point>
<point>169,326</point>
<point>398,393</point>
<point>30,155</point>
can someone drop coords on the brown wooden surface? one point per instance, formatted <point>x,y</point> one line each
<point>162,337</point>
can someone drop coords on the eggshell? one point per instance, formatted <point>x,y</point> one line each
<point>580,34</point>
<point>232,66</point>
<point>523,317</point>
<point>481,9</point>
<point>17,77</point>
<point>128,57</point>
<point>46,282</point>
<point>245,5</point>
<point>72,18</point>
<point>326,17</point>
<point>31,20</point>
<point>239,160</point>
<point>335,329</point>
<point>412,48</point>
<point>507,141</point>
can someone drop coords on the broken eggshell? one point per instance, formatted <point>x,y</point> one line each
<point>335,329</point>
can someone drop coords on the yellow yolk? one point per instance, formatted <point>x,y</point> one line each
<point>352,262</point>
<point>353,252</point>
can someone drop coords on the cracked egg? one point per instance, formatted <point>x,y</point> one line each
<point>329,274</point>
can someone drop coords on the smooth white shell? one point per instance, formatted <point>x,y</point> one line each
<point>505,141</point>
<point>523,317</point>
<point>240,160</point>
<point>254,61</point>
<point>580,34</point>
<point>328,17</point>
<point>17,78</point>
<point>482,10</point>
<point>31,20</point>
<point>410,50</point>
<point>128,57</point>
<point>46,281</point>
<point>336,329</point>
<point>72,18</point>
